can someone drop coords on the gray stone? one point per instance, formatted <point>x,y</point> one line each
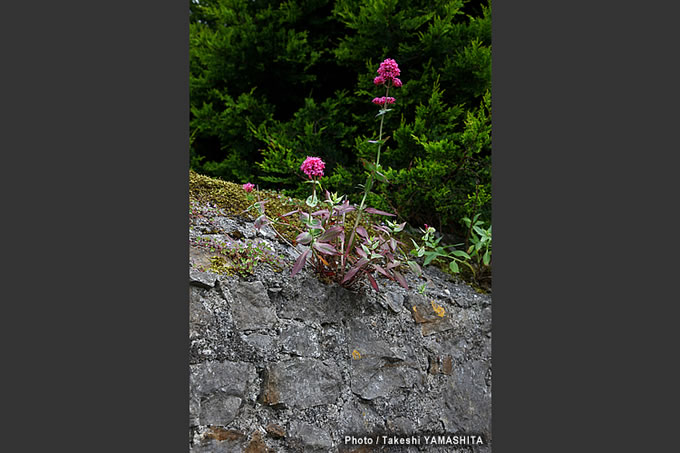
<point>251,307</point>
<point>300,340</point>
<point>202,279</point>
<point>217,446</point>
<point>200,317</point>
<point>376,370</point>
<point>219,409</point>
<point>395,301</point>
<point>312,300</point>
<point>194,409</point>
<point>262,343</point>
<point>401,425</point>
<point>301,382</point>
<point>466,399</point>
<point>231,378</point>
<point>309,437</point>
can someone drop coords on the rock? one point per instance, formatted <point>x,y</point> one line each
<point>219,433</point>
<point>202,279</point>
<point>251,308</point>
<point>230,378</point>
<point>401,425</point>
<point>432,317</point>
<point>357,418</point>
<point>213,446</point>
<point>219,409</point>
<point>300,340</point>
<point>216,391</point>
<point>200,317</point>
<point>194,409</point>
<point>256,444</point>
<point>219,440</point>
<point>395,301</point>
<point>262,343</point>
<point>301,382</point>
<point>447,365</point>
<point>275,431</point>
<point>466,400</point>
<point>310,438</point>
<point>376,369</point>
<point>314,301</point>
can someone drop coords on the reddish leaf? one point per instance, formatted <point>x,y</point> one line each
<point>382,271</point>
<point>361,252</point>
<point>304,238</point>
<point>260,221</point>
<point>324,247</point>
<point>393,264</point>
<point>289,213</point>
<point>374,284</point>
<point>299,263</point>
<point>400,278</point>
<point>354,270</point>
<point>361,231</point>
<point>331,233</point>
<point>376,211</point>
<point>344,208</point>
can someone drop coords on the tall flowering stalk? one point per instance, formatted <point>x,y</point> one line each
<point>388,76</point>
<point>323,228</point>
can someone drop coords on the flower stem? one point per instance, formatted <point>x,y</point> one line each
<point>369,181</point>
<point>382,118</point>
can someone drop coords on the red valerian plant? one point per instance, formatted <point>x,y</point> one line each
<point>363,254</point>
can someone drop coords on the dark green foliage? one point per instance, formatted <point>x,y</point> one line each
<point>274,82</point>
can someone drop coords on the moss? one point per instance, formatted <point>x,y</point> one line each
<point>219,265</point>
<point>232,198</point>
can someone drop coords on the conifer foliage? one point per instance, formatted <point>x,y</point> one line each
<point>273,82</point>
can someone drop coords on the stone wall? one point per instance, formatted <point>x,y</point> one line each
<point>285,364</point>
<point>281,364</point>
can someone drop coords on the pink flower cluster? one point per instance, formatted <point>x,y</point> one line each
<point>313,166</point>
<point>388,73</point>
<point>384,100</point>
<point>248,187</point>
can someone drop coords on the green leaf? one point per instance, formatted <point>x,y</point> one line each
<point>454,267</point>
<point>370,166</point>
<point>460,253</point>
<point>486,258</point>
<point>380,177</point>
<point>428,259</point>
<point>414,267</point>
<point>312,201</point>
